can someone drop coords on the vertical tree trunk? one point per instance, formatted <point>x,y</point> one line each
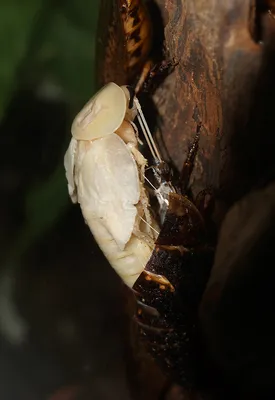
<point>213,83</point>
<point>192,93</point>
<point>220,65</point>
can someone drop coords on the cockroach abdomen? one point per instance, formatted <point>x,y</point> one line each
<point>183,224</point>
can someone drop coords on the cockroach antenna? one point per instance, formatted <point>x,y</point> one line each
<point>146,132</point>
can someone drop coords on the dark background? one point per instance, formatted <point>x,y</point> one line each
<point>60,307</point>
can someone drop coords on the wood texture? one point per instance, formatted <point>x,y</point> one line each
<point>192,94</point>
<point>223,80</point>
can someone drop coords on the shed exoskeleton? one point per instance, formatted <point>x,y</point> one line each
<point>167,312</point>
<point>155,257</point>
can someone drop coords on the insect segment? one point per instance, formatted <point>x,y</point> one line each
<point>125,47</point>
<point>165,267</point>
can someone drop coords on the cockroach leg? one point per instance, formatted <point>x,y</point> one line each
<point>144,76</point>
<point>133,102</point>
<point>146,132</point>
<point>160,280</point>
<point>160,70</point>
<point>189,162</point>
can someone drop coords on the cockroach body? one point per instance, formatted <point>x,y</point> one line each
<point>167,267</point>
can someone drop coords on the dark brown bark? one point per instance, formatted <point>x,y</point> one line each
<point>224,80</point>
<point>213,84</point>
<point>192,93</point>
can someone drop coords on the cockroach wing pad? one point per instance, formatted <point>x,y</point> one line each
<point>108,187</point>
<point>102,115</point>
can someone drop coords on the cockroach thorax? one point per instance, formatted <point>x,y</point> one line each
<point>102,115</point>
<point>127,133</point>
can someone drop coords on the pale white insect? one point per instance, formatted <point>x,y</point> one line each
<point>105,174</point>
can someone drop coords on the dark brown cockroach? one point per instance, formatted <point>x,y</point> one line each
<point>169,290</point>
<point>124,47</point>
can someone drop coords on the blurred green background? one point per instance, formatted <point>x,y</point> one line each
<point>47,61</point>
<point>60,307</point>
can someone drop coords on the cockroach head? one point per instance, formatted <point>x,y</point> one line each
<point>131,110</point>
<point>102,115</point>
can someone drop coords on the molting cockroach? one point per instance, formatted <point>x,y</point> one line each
<point>106,175</point>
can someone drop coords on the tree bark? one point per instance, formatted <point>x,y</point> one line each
<point>223,81</point>
<point>192,93</point>
<point>213,84</point>
<point>228,76</point>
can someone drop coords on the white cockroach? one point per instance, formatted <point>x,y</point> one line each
<point>105,174</point>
